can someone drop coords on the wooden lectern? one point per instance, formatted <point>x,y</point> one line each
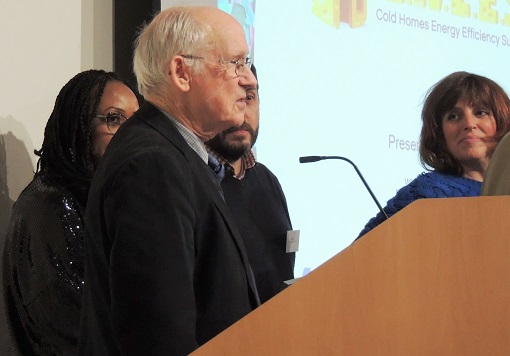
<point>434,279</point>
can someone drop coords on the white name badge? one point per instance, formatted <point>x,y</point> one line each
<point>292,241</point>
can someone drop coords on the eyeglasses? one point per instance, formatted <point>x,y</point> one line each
<point>240,64</point>
<point>113,120</point>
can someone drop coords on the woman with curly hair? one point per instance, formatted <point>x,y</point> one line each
<point>43,252</point>
<point>464,117</point>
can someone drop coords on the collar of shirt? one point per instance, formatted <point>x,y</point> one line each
<point>248,161</point>
<point>192,140</point>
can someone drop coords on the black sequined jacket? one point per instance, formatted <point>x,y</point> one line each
<point>43,269</point>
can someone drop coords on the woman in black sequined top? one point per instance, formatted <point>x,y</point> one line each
<point>43,252</point>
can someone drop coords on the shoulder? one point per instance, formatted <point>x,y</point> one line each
<point>148,131</point>
<point>440,185</point>
<point>264,174</point>
<point>44,195</point>
<point>146,151</point>
<point>43,212</point>
<point>260,168</point>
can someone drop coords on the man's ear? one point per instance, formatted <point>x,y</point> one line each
<point>178,72</point>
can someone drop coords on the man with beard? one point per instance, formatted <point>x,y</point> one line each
<point>256,199</point>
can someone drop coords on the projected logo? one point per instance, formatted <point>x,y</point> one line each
<point>354,12</point>
<point>334,12</point>
<point>488,11</point>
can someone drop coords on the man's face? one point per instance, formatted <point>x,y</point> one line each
<point>234,142</point>
<point>217,97</point>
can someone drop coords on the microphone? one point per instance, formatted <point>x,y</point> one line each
<point>309,159</point>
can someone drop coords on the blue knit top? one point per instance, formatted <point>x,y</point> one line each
<point>427,185</point>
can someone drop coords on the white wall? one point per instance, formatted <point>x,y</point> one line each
<point>44,44</point>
